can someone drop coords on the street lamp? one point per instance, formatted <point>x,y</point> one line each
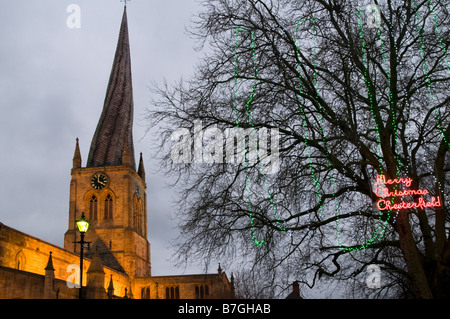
<point>83,226</point>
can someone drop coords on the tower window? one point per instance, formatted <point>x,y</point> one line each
<point>138,215</point>
<point>108,207</point>
<point>93,208</point>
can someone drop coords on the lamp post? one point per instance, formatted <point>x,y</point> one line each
<point>83,226</point>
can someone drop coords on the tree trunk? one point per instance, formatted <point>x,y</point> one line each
<point>413,262</point>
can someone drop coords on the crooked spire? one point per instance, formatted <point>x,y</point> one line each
<point>114,129</point>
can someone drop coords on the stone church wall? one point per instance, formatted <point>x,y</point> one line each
<point>23,259</point>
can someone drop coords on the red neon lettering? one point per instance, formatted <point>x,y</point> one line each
<point>383,204</point>
<point>384,192</point>
<point>381,180</point>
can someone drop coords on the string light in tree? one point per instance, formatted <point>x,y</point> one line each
<point>379,228</point>
<point>438,32</point>
<point>427,74</point>
<point>320,116</point>
<point>436,112</point>
<point>377,119</point>
<point>248,111</point>
<point>317,185</point>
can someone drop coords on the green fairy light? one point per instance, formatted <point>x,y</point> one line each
<point>438,32</point>
<point>379,228</point>
<point>426,68</point>
<point>320,115</point>
<point>392,104</point>
<point>305,129</point>
<point>272,204</point>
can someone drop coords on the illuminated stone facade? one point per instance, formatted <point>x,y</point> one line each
<point>112,195</point>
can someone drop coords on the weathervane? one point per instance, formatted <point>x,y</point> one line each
<point>125,1</point>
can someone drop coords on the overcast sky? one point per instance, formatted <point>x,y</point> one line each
<point>53,82</point>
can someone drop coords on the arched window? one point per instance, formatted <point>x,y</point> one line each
<point>172,292</point>
<point>93,204</point>
<point>108,207</point>
<point>201,292</point>
<point>145,293</point>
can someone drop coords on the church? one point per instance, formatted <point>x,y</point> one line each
<point>110,191</point>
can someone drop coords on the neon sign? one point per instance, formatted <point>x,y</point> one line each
<point>387,196</point>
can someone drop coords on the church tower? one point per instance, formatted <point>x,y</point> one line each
<point>109,190</point>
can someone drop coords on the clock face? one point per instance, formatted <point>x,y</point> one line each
<point>99,181</point>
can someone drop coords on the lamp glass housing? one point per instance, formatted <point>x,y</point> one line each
<point>82,224</point>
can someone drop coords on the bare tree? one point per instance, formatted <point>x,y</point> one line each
<point>251,284</point>
<point>357,95</point>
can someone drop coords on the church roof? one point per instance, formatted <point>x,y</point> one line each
<point>106,256</point>
<point>114,129</point>
<point>96,264</point>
